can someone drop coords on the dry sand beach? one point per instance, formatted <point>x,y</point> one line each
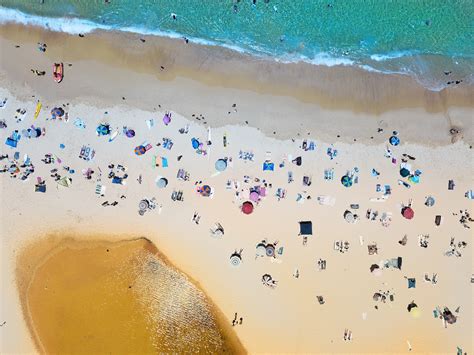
<point>266,109</point>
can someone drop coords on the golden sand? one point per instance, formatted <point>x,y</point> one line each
<point>115,297</point>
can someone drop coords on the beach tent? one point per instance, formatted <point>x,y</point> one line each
<point>65,181</point>
<point>267,165</point>
<point>11,142</point>
<point>411,283</point>
<point>404,172</point>
<point>408,212</point>
<point>394,140</point>
<point>394,262</point>
<point>221,164</point>
<point>247,207</point>
<point>346,180</point>
<point>306,228</point>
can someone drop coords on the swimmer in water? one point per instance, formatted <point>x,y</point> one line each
<point>174,16</point>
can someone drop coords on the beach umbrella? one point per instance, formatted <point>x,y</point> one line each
<point>221,165</point>
<point>235,259</point>
<point>206,191</point>
<point>430,201</point>
<point>254,196</point>
<point>349,216</point>
<point>103,130</point>
<point>414,178</point>
<point>140,150</point>
<point>57,112</point>
<point>408,212</point>
<point>162,182</point>
<point>247,207</point>
<point>167,119</point>
<point>346,180</point>
<point>270,250</point>
<point>404,172</point>
<point>130,133</point>
<point>195,143</point>
<point>411,306</point>
<point>267,278</point>
<point>261,250</point>
<point>394,140</point>
<point>143,205</point>
<point>298,161</point>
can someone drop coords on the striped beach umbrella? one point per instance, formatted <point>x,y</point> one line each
<point>346,180</point>
<point>235,259</point>
<point>394,140</point>
<point>140,150</point>
<point>130,133</point>
<point>270,250</point>
<point>103,130</point>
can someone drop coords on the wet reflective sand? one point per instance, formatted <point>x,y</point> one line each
<point>115,297</point>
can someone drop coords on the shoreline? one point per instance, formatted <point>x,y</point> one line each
<point>318,95</point>
<point>55,241</point>
<point>105,78</point>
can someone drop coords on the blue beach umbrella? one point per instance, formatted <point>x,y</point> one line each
<point>221,165</point>
<point>195,143</point>
<point>103,130</point>
<point>404,172</point>
<point>346,180</point>
<point>394,140</point>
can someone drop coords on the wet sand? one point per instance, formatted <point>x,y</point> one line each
<point>169,73</point>
<point>104,296</point>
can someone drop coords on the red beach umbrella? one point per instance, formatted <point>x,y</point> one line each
<point>247,207</point>
<point>408,212</point>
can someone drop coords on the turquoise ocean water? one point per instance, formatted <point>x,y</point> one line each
<point>422,38</point>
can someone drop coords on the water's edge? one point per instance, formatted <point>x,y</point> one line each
<point>398,62</point>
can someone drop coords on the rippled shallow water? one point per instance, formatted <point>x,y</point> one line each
<point>120,298</point>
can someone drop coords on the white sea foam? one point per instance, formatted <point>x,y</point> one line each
<point>81,26</point>
<point>392,55</point>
